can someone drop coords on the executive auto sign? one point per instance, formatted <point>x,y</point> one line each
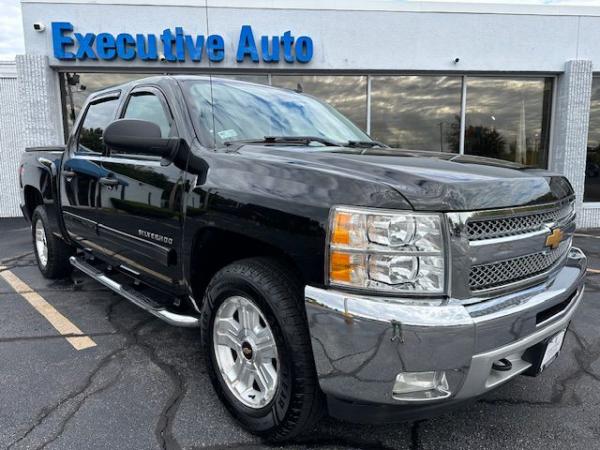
<point>177,46</point>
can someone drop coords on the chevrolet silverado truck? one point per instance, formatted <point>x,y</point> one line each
<point>328,273</point>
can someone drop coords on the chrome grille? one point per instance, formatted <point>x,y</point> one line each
<point>487,276</point>
<point>478,230</point>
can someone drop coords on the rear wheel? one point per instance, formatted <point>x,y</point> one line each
<point>258,350</point>
<point>52,253</point>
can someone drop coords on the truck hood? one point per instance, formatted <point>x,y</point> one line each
<point>430,181</point>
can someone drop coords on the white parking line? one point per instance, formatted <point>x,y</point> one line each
<point>63,325</point>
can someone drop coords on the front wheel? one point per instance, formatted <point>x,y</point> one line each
<point>258,350</point>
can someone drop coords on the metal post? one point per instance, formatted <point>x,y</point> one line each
<point>463,113</point>
<point>369,105</point>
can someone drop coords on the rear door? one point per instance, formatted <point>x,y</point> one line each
<point>82,169</point>
<point>140,206</point>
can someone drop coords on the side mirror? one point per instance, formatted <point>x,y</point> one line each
<point>140,137</point>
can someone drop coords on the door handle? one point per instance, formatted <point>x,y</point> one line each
<point>68,174</point>
<point>108,181</point>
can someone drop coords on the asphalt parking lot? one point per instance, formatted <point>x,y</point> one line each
<point>137,383</point>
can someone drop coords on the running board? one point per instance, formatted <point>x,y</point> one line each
<point>135,297</point>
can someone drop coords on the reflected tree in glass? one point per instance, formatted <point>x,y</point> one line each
<point>508,118</point>
<point>416,112</point>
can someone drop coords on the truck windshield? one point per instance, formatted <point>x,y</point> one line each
<point>227,111</point>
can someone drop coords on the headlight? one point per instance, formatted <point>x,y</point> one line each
<point>386,251</point>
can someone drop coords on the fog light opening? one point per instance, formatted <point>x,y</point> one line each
<point>421,386</point>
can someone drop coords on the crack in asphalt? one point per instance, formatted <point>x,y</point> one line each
<point>164,426</point>
<point>130,340</point>
<point>315,441</point>
<point>54,336</point>
<point>15,258</point>
<point>415,441</point>
<point>67,419</point>
<point>163,429</point>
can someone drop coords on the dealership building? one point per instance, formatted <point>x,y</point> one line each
<point>516,82</point>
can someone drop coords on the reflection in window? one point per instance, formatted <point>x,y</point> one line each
<point>347,94</point>
<point>78,86</point>
<point>259,79</point>
<point>509,118</point>
<point>229,111</point>
<point>592,166</point>
<point>97,117</point>
<point>148,107</point>
<point>416,112</point>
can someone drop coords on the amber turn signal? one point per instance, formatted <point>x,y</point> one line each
<point>340,269</point>
<point>340,234</point>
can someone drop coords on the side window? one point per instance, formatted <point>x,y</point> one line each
<point>148,107</point>
<point>97,117</point>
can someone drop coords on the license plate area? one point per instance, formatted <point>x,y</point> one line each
<point>544,353</point>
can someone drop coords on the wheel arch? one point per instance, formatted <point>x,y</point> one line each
<point>214,248</point>
<point>32,199</point>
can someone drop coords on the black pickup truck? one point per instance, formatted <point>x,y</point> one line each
<point>327,271</point>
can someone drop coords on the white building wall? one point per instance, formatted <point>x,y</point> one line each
<point>349,36</point>
<point>11,144</point>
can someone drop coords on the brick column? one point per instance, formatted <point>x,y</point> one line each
<point>39,94</point>
<point>571,120</point>
<point>10,140</point>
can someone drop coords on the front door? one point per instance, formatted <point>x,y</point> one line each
<point>82,170</point>
<point>139,210</point>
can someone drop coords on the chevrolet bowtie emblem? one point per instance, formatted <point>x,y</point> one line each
<point>554,238</point>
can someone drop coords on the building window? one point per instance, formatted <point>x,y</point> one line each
<point>347,94</point>
<point>591,191</point>
<point>503,117</point>
<point>416,112</point>
<point>78,86</point>
<point>508,118</point>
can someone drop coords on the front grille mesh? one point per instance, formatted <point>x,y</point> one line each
<point>478,230</point>
<point>487,276</point>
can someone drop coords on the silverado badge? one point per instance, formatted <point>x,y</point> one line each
<point>554,238</point>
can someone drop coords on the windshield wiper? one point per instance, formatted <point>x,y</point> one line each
<point>305,140</point>
<point>365,144</point>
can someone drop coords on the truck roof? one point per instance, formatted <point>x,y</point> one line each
<point>158,79</point>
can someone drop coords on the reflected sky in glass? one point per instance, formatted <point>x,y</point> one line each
<point>416,112</point>
<point>347,94</point>
<point>88,84</point>
<point>592,168</point>
<point>508,118</point>
<point>93,82</point>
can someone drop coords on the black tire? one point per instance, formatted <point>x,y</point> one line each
<point>58,252</point>
<point>298,401</point>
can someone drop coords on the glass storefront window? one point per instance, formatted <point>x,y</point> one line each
<point>78,86</point>
<point>416,112</point>
<point>505,117</point>
<point>509,118</point>
<point>347,94</point>
<point>591,191</point>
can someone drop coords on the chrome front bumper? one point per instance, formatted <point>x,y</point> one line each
<point>362,343</point>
